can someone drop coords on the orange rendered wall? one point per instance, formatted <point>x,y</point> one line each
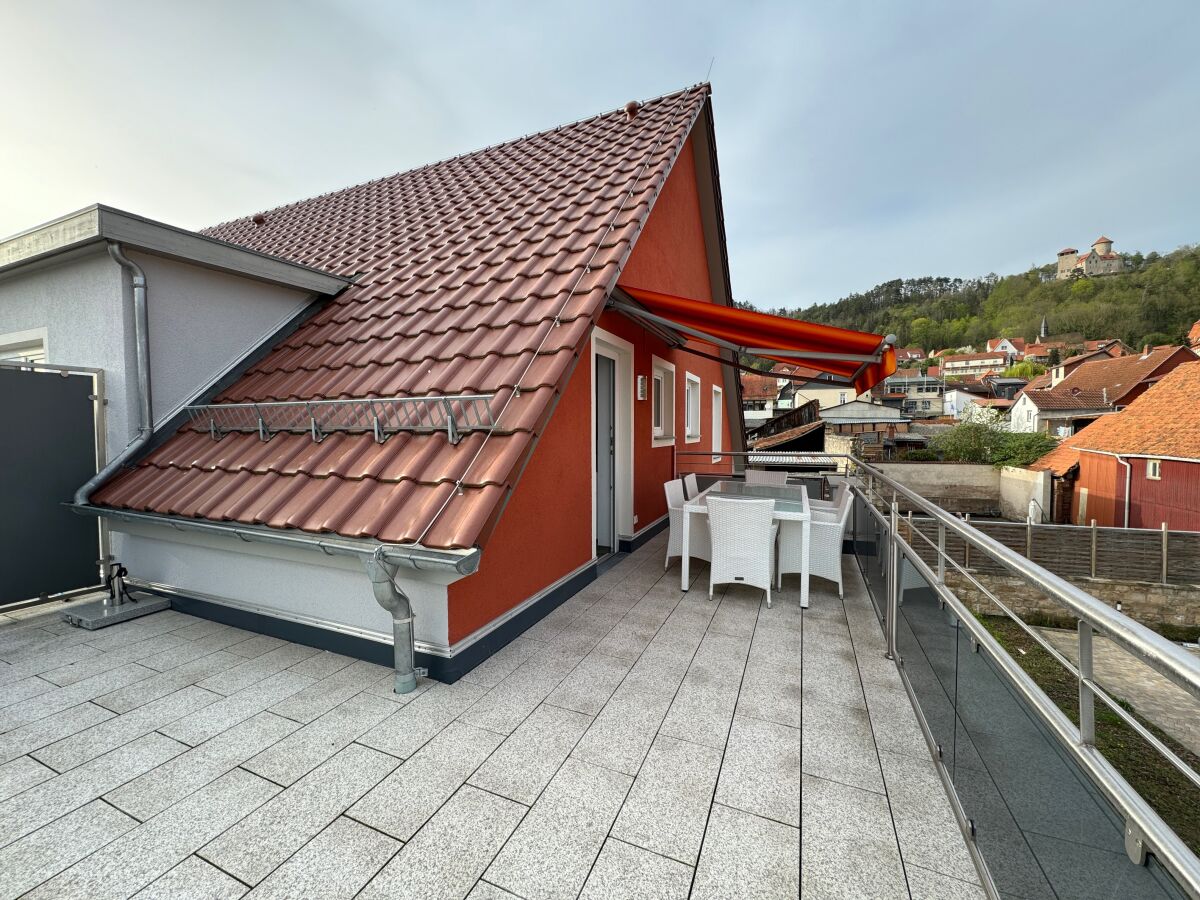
<point>545,532</point>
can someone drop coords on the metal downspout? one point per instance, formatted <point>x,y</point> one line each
<point>1128,486</point>
<point>391,598</point>
<point>142,339</point>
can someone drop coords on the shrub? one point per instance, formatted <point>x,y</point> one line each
<point>976,442</point>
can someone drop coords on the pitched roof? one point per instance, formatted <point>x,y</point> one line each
<point>1065,456</point>
<point>1057,398</point>
<point>973,357</point>
<point>1118,375</point>
<point>1165,420</point>
<point>783,437</point>
<point>483,273</point>
<point>1102,240</point>
<point>1037,383</point>
<point>759,387</point>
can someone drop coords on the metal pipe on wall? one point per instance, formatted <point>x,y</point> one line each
<point>395,601</point>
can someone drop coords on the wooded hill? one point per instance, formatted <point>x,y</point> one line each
<point>1154,302</point>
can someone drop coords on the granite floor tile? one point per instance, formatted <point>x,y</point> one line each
<point>256,645</point>
<point>158,789</point>
<point>21,773</point>
<point>447,856</point>
<point>43,803</point>
<point>24,689</point>
<point>216,717</point>
<point>525,762</point>
<point>702,709</point>
<point>116,732</point>
<point>190,651</point>
<point>175,678</point>
<point>257,669</point>
<point>625,872</point>
<point>893,720</point>
<point>308,747</point>
<point>926,885</point>
<point>29,737</point>
<point>553,849</point>
<point>104,662</point>
<point>668,804</point>
<point>778,649</point>
<point>335,865</point>
<point>925,825</point>
<point>848,844</point>
<point>408,729</point>
<point>410,796</point>
<point>590,684</point>
<point>331,691</point>
<point>257,845</point>
<point>839,745</point>
<point>747,857</point>
<point>193,878</point>
<point>621,734</point>
<point>773,695</point>
<point>52,657</point>
<point>761,770</point>
<point>322,665</point>
<point>63,698</point>
<point>659,670</point>
<point>44,853</point>
<point>508,704</point>
<point>485,891</point>
<point>124,867</point>
<point>628,638</point>
<point>504,662</point>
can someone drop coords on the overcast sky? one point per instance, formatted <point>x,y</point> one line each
<point>858,141</point>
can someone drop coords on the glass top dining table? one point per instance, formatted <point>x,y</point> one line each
<point>791,505</point>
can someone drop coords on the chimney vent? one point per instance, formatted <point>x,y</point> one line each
<point>632,108</point>
<point>1145,351</point>
<point>258,219</point>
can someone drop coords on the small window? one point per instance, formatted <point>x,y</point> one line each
<point>841,397</point>
<point>662,402</point>
<point>24,346</point>
<point>1154,469</point>
<point>691,408</point>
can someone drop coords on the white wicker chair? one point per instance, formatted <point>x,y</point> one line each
<point>698,537</point>
<point>691,486</point>
<point>761,476</point>
<point>743,543</point>
<point>826,531</point>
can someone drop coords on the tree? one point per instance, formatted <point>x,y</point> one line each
<point>983,442</point>
<point>1026,369</point>
<point>1055,357</point>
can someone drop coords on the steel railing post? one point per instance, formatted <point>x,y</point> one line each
<point>1087,702</point>
<point>967,546</point>
<point>941,568</point>
<point>1029,537</point>
<point>1093,548</point>
<point>1165,534</point>
<point>893,581</point>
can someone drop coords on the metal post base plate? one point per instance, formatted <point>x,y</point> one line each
<point>97,615</point>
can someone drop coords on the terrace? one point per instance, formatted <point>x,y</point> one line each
<point>638,741</point>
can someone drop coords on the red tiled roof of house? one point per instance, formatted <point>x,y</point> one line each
<point>481,274</point>
<point>1120,374</point>
<point>1102,240</point>
<point>1065,456</point>
<point>1165,420</point>
<point>994,402</point>
<point>1037,383</point>
<point>759,387</point>
<point>1056,398</point>
<point>1080,357</point>
<point>784,436</point>
<point>973,357</point>
<point>1066,250</point>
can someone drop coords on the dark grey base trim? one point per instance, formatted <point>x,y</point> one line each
<point>446,669</point>
<point>628,545</point>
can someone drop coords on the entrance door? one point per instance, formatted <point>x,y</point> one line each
<point>49,450</point>
<point>606,463</point>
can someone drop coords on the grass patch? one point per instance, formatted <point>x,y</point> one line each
<point>1170,794</point>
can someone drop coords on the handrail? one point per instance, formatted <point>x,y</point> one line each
<point>1164,656</point>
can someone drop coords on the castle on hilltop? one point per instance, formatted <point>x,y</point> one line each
<point>1100,260</point>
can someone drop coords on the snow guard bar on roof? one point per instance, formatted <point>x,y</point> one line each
<point>381,416</point>
<point>854,358</point>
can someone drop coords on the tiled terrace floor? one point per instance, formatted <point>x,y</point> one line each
<point>635,743</point>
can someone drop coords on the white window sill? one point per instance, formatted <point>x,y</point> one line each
<point>692,439</point>
<point>664,440</point>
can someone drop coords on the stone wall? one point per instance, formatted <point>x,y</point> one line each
<point>1150,604</point>
<point>956,487</point>
<point>1018,487</point>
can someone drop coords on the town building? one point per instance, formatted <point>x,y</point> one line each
<point>1137,468</point>
<point>760,396</point>
<point>906,356</point>
<point>959,364</point>
<point>920,395</point>
<point>1100,260</point>
<point>1097,386</point>
<point>1014,347</point>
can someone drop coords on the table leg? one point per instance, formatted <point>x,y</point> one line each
<point>686,556</point>
<point>805,532</point>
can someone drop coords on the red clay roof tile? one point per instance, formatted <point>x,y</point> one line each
<point>480,274</point>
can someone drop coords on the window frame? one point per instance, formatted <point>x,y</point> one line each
<point>662,392</point>
<point>689,436</point>
<point>30,347</point>
<point>1154,469</point>
<point>718,407</point>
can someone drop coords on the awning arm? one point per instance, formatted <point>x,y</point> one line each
<point>826,379</point>
<point>638,312</point>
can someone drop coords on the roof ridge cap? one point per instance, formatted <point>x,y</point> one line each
<point>704,86</point>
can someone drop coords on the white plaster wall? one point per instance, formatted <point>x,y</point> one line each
<point>79,303</point>
<point>294,583</point>
<point>201,322</point>
<point>1018,487</point>
<point>1018,420</point>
